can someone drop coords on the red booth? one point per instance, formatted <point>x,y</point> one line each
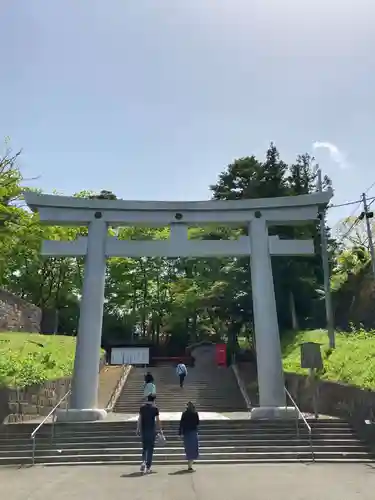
<point>221,354</point>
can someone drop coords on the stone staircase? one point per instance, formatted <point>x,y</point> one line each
<point>221,441</point>
<point>211,388</point>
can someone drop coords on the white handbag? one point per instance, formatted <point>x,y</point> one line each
<point>160,439</point>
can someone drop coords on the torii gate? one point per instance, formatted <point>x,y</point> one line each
<point>256,214</point>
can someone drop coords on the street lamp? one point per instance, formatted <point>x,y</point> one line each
<point>325,263</point>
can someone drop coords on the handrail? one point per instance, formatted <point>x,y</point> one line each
<point>242,387</point>
<point>308,426</point>
<point>51,413</point>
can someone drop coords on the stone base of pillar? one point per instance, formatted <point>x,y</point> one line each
<point>73,415</point>
<point>273,412</point>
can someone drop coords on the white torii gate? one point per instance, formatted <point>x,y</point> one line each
<point>257,215</point>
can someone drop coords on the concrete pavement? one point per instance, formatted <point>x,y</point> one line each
<point>258,482</point>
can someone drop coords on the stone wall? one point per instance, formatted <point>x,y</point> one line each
<point>18,315</point>
<point>333,398</point>
<point>339,400</point>
<point>21,405</point>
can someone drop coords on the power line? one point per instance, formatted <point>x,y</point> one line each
<point>368,189</point>
<point>357,220</point>
<point>351,227</point>
<point>367,215</point>
<point>349,203</point>
<point>358,203</point>
<point>354,202</point>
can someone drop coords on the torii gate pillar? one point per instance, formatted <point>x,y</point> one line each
<point>268,349</point>
<point>85,383</point>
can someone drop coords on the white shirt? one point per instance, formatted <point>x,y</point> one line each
<point>181,368</point>
<point>149,389</point>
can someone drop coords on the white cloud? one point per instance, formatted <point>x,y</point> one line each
<point>337,156</point>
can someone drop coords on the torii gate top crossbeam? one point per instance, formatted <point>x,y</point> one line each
<point>66,210</point>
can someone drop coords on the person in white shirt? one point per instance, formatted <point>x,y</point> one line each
<point>149,386</point>
<point>181,372</point>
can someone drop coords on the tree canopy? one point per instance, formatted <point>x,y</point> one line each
<point>170,302</point>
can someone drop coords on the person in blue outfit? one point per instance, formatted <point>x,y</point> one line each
<point>188,430</point>
<point>181,371</point>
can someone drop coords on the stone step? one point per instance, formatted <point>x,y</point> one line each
<point>129,430</point>
<point>87,439</point>
<point>231,441</point>
<point>218,461</point>
<point>197,395</point>
<point>198,398</point>
<point>186,391</point>
<point>179,408</point>
<point>28,427</point>
<point>167,458</point>
<point>177,444</point>
<point>182,397</point>
<point>178,450</point>
<point>212,430</point>
<point>173,441</point>
<point>211,389</point>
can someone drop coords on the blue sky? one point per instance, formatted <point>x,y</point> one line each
<point>152,99</point>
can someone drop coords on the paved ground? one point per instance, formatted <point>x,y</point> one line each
<point>292,482</point>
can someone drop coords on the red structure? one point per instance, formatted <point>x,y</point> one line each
<point>221,354</point>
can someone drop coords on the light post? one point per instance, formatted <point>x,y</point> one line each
<point>326,273</point>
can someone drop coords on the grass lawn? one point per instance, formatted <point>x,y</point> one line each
<point>29,358</point>
<point>352,362</point>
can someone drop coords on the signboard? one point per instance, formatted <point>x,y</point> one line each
<point>130,356</point>
<point>221,354</point>
<point>311,356</point>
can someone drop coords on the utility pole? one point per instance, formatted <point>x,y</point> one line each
<point>367,216</point>
<point>326,273</point>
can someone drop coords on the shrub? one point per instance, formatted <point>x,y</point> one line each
<point>28,359</point>
<point>351,362</point>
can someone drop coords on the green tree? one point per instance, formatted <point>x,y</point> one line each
<point>170,302</point>
<point>250,178</point>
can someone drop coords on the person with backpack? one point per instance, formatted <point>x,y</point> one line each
<point>181,373</point>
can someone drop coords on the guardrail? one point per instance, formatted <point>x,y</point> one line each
<point>300,414</point>
<point>50,414</point>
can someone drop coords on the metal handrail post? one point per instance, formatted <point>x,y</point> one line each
<point>300,414</point>
<point>297,425</point>
<point>311,448</point>
<point>51,413</point>
<point>33,451</point>
<point>53,427</point>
